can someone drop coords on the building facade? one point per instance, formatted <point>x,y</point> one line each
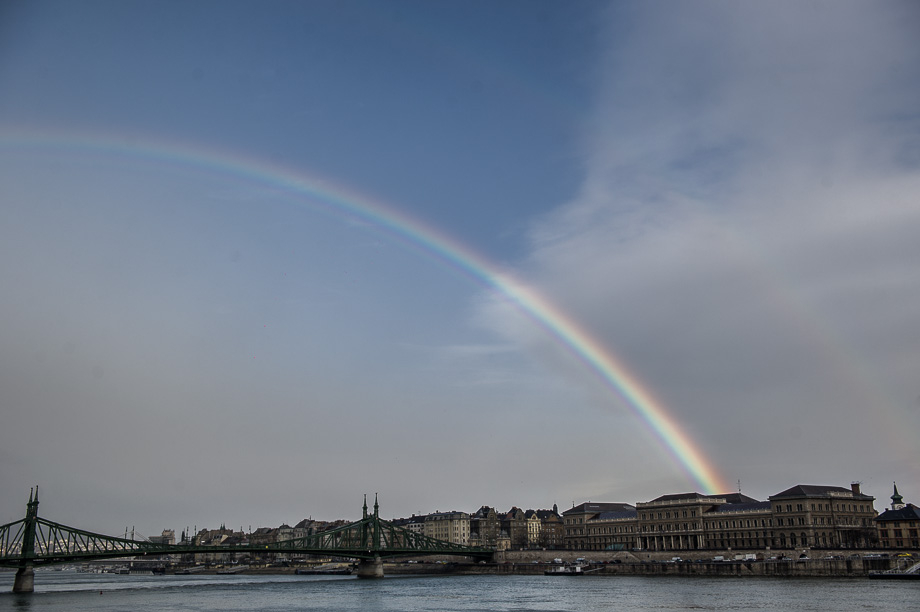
<point>485,527</point>
<point>691,521</point>
<point>552,529</point>
<point>585,529</point>
<point>804,516</point>
<point>451,527</point>
<point>821,516</point>
<point>899,526</point>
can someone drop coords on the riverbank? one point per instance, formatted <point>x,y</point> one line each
<point>806,568</point>
<point>791,563</point>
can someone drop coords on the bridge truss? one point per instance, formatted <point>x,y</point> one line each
<point>34,541</point>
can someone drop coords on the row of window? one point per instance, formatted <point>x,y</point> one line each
<point>825,508</point>
<point>899,543</point>
<point>905,533</point>
<point>650,516</point>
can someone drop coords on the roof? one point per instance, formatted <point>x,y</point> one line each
<point>909,512</point>
<point>677,497</point>
<point>738,498</point>
<point>819,491</point>
<point>745,507</point>
<point>589,507</point>
<point>731,498</point>
<point>483,512</point>
<point>612,516</point>
<point>514,514</point>
<point>453,514</point>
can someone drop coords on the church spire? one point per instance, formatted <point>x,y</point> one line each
<point>897,502</point>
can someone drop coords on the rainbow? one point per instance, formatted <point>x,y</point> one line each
<point>337,199</point>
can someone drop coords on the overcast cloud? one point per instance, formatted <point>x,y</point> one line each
<point>745,236</point>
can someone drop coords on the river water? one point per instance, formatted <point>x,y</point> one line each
<point>74,592</point>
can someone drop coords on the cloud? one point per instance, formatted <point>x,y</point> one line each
<point>745,233</point>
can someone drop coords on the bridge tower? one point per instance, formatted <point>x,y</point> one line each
<point>371,568</point>
<point>25,575</point>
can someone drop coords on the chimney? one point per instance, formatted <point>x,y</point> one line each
<point>855,487</point>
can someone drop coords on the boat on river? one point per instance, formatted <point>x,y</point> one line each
<point>565,570</point>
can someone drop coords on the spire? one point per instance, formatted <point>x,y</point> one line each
<point>365,506</point>
<point>897,501</point>
<point>376,506</point>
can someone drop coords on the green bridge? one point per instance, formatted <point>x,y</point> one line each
<point>34,541</point>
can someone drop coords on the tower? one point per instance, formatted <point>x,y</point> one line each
<point>897,502</point>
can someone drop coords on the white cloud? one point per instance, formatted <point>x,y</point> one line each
<point>746,233</point>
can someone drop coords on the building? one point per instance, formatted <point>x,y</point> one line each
<point>218,537</point>
<point>485,527</point>
<point>514,526</point>
<point>821,516</point>
<point>582,527</point>
<point>738,523</point>
<point>451,527</point>
<point>804,516</point>
<point>534,528</point>
<point>552,529</point>
<point>612,530</point>
<point>685,521</point>
<point>898,526</point>
<point>415,523</point>
<point>167,537</point>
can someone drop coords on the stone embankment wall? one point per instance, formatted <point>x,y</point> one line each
<point>814,568</point>
<point>660,564</point>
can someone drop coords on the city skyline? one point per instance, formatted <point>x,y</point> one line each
<point>269,258</point>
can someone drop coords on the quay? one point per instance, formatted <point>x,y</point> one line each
<point>843,564</point>
<point>530,563</point>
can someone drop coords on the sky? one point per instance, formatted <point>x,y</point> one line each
<point>258,260</point>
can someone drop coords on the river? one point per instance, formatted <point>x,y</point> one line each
<point>75,592</point>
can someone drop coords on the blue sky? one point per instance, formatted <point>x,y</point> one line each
<point>722,195</point>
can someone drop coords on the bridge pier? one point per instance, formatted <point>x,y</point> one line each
<point>25,580</point>
<point>370,568</point>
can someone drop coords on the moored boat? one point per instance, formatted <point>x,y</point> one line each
<point>567,570</point>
